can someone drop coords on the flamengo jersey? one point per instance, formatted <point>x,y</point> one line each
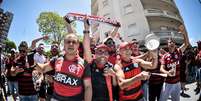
<point>68,79</point>
<point>171,60</point>
<point>133,92</point>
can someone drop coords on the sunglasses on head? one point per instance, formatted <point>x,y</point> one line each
<point>110,42</point>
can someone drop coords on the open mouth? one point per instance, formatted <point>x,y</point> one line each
<point>70,48</point>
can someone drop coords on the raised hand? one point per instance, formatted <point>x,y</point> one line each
<point>86,23</point>
<point>181,29</point>
<point>66,18</point>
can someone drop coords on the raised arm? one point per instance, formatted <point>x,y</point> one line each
<point>124,83</point>
<point>86,42</point>
<point>68,24</point>
<point>114,31</point>
<point>186,40</point>
<point>43,68</point>
<point>33,43</point>
<point>149,65</point>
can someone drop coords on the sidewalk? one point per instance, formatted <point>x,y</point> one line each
<point>191,93</point>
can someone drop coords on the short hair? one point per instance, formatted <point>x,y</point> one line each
<point>171,39</point>
<point>23,44</point>
<point>72,35</point>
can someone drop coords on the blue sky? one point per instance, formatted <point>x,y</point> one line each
<point>24,26</point>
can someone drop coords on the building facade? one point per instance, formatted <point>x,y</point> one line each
<point>139,18</point>
<point>5,22</point>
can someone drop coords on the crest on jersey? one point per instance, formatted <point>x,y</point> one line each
<point>73,69</point>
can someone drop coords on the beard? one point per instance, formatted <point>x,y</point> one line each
<point>101,60</point>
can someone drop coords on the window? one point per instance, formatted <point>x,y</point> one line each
<point>164,28</point>
<point>131,26</point>
<point>128,9</point>
<point>106,15</point>
<point>105,3</point>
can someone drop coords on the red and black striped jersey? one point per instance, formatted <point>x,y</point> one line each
<point>133,92</point>
<point>171,60</point>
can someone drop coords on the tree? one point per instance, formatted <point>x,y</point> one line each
<point>9,45</point>
<point>54,25</point>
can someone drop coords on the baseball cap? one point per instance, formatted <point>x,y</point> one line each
<point>102,46</point>
<point>13,50</point>
<point>124,44</point>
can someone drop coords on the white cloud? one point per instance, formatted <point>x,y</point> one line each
<point>193,41</point>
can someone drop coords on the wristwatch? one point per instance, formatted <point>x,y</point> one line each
<point>86,31</point>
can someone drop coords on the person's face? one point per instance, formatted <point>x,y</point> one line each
<point>41,49</point>
<point>54,50</point>
<point>102,55</point>
<point>126,52</point>
<point>71,44</point>
<point>23,51</point>
<point>135,47</point>
<point>171,44</point>
<point>12,53</point>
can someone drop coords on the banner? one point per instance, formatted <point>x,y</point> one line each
<point>93,19</point>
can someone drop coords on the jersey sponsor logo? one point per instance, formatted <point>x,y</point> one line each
<point>65,79</point>
<point>74,69</point>
<point>135,65</point>
<point>172,65</point>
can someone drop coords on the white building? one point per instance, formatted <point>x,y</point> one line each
<point>138,18</point>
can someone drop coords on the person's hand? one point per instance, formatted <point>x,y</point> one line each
<point>19,70</point>
<point>49,78</point>
<point>154,53</point>
<point>118,24</point>
<point>144,75</point>
<point>86,23</point>
<point>45,37</point>
<point>66,18</point>
<point>181,29</point>
<point>109,72</point>
<point>171,72</point>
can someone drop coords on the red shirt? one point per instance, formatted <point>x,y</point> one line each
<point>171,60</point>
<point>133,92</point>
<point>68,79</point>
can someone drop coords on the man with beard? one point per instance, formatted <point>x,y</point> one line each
<point>23,68</point>
<point>72,79</point>
<point>170,65</point>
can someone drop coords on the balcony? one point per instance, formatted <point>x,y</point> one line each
<point>171,2</point>
<point>168,4</point>
<point>162,13</point>
<point>168,34</point>
<point>165,35</point>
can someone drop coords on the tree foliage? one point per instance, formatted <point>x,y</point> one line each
<point>9,45</point>
<point>52,24</point>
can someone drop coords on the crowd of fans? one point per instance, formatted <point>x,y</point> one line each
<point>101,71</point>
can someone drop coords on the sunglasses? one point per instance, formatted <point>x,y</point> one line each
<point>135,43</point>
<point>100,52</point>
<point>22,51</point>
<point>54,46</point>
<point>69,42</point>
